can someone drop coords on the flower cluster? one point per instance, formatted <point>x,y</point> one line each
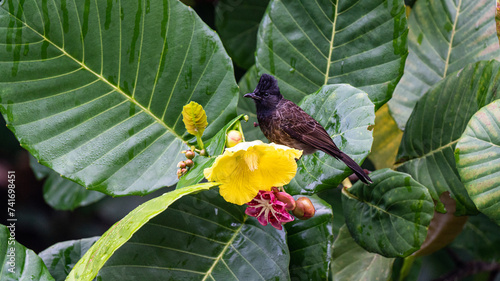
<point>268,209</point>
<point>273,206</point>
<point>248,167</point>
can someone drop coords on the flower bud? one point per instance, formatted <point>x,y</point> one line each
<point>179,173</point>
<point>203,152</point>
<point>181,164</point>
<point>189,162</point>
<point>304,208</point>
<point>245,117</point>
<point>287,199</point>
<point>190,154</point>
<point>184,170</point>
<point>233,138</point>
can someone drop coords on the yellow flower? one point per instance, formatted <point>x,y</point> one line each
<point>248,167</point>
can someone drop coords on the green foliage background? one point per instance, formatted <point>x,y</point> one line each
<point>94,90</point>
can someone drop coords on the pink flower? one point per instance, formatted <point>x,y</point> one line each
<point>268,209</point>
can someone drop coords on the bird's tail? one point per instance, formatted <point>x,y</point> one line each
<point>362,176</point>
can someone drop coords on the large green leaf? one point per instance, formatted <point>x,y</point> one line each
<point>477,155</point>
<point>307,44</point>
<point>61,257</point>
<point>350,262</point>
<point>88,266</point>
<point>95,89</point>
<point>310,242</point>
<point>201,237</point>
<point>237,23</point>
<point>346,113</point>
<point>389,217</point>
<point>445,36</point>
<point>18,262</point>
<point>436,124</point>
<point>61,193</point>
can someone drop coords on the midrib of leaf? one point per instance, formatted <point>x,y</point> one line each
<point>447,62</point>
<point>100,77</point>
<point>428,153</point>
<point>219,257</point>
<point>329,62</point>
<point>371,205</point>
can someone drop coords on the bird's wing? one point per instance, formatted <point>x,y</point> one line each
<point>302,127</point>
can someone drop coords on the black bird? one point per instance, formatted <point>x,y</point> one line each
<point>283,122</point>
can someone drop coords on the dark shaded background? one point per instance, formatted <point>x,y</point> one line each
<point>38,225</point>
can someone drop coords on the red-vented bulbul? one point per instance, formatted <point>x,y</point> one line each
<point>283,122</point>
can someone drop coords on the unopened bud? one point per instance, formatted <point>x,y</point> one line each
<point>179,173</point>
<point>184,170</point>
<point>181,164</point>
<point>287,199</point>
<point>233,138</point>
<point>203,152</point>
<point>245,117</point>
<point>189,162</point>
<point>304,208</point>
<point>190,154</point>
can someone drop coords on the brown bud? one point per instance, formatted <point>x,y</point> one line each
<point>287,199</point>
<point>203,152</point>
<point>189,162</point>
<point>181,164</point>
<point>190,154</point>
<point>179,173</point>
<point>304,208</point>
<point>184,170</point>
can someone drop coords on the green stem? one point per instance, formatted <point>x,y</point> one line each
<point>405,269</point>
<point>199,141</point>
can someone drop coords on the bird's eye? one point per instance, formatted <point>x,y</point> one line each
<point>266,94</point>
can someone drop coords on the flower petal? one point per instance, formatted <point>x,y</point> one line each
<point>248,167</point>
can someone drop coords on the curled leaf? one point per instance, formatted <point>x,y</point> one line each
<point>194,118</point>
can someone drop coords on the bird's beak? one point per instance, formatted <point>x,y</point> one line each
<point>253,96</point>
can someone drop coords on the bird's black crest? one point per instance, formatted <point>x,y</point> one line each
<point>267,83</point>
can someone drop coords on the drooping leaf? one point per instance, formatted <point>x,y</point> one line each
<point>350,262</point>
<point>215,147</point>
<point>346,113</point>
<point>201,237</point>
<point>61,193</point>
<point>445,36</point>
<point>93,260</point>
<point>246,106</point>
<point>194,118</point>
<point>308,44</point>
<point>18,262</point>
<point>95,89</point>
<point>237,23</point>
<point>310,243</point>
<point>389,217</point>
<point>435,126</point>
<point>386,139</point>
<point>61,257</point>
<point>477,155</point>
